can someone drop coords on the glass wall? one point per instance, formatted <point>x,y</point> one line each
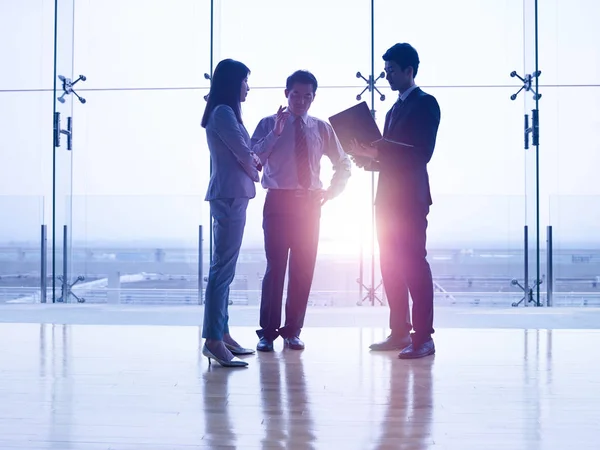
<point>26,84</point>
<point>139,166</point>
<point>570,117</point>
<point>20,248</point>
<point>141,162</point>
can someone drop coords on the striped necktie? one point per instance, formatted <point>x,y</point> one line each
<point>301,148</point>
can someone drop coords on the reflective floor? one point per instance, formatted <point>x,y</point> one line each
<point>148,387</point>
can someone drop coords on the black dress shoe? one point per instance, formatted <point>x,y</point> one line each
<point>294,343</point>
<point>414,351</point>
<point>392,343</point>
<point>264,345</point>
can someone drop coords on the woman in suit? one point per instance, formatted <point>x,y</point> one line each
<point>231,186</point>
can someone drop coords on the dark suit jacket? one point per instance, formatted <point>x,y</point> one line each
<point>403,179</point>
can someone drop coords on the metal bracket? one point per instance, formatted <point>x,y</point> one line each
<point>370,85</point>
<point>67,86</point>
<point>527,293</point>
<point>371,294</point>
<point>67,289</point>
<point>209,78</point>
<point>527,84</point>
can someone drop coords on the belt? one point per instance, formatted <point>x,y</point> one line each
<point>294,192</point>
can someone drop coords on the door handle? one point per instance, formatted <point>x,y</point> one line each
<point>58,131</point>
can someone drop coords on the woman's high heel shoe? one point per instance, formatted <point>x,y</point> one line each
<point>235,362</point>
<point>239,350</point>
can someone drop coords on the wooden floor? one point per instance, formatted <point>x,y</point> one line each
<point>148,387</point>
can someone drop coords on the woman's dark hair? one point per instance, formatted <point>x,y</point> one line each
<point>225,88</point>
<point>404,55</point>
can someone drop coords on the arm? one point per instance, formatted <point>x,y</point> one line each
<point>263,140</point>
<point>340,161</point>
<point>420,147</point>
<point>227,128</point>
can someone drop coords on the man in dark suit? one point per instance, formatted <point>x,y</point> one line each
<point>402,204</point>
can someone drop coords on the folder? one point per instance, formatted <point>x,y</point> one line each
<point>355,123</point>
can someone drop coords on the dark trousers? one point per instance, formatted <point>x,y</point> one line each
<point>402,242</point>
<point>229,220</point>
<point>291,227</point>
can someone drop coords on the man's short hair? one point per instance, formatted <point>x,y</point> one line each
<point>404,55</point>
<point>301,77</point>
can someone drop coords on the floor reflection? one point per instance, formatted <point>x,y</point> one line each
<point>218,426</point>
<point>284,401</point>
<point>131,387</point>
<point>409,413</point>
<point>55,361</point>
